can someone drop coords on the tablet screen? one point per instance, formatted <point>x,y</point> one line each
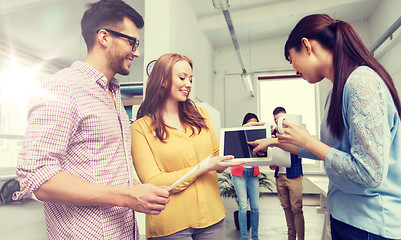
<point>236,141</point>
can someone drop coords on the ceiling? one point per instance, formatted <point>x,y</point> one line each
<point>259,19</point>
<point>50,29</point>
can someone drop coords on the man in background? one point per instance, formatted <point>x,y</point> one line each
<point>289,190</point>
<point>76,156</point>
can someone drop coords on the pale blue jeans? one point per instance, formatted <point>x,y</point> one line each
<point>214,232</point>
<point>247,187</point>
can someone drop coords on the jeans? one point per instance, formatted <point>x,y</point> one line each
<point>213,232</point>
<point>247,187</point>
<point>343,231</point>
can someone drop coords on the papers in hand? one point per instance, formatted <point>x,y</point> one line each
<point>190,172</point>
<point>280,158</point>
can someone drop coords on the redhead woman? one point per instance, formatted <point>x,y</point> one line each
<point>360,131</point>
<point>170,137</point>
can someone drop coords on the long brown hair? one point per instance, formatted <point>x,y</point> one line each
<point>349,52</point>
<point>158,89</point>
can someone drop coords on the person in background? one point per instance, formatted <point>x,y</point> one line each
<point>76,155</point>
<point>289,190</point>
<point>360,132</point>
<point>250,118</point>
<point>246,183</point>
<point>170,137</point>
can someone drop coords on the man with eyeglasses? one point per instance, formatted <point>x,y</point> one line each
<point>76,156</point>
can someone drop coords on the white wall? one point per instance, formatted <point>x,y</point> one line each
<point>231,98</point>
<point>384,16</point>
<point>187,38</point>
<point>265,57</point>
<point>171,27</point>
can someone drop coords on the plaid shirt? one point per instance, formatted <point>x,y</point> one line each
<point>74,126</point>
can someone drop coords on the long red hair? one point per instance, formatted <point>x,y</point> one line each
<point>158,89</point>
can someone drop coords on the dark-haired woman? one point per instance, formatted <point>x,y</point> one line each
<point>360,132</point>
<point>246,183</point>
<point>169,138</point>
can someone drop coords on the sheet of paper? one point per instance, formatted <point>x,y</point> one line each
<point>190,172</point>
<point>281,158</point>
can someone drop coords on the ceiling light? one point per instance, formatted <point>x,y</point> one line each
<point>247,80</point>
<point>221,4</point>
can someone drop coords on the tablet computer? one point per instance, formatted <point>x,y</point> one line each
<point>234,141</point>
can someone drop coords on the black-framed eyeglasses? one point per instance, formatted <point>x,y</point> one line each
<point>134,42</point>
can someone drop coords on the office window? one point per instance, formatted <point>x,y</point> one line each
<point>17,83</point>
<point>298,97</point>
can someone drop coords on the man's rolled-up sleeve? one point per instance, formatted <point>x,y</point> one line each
<point>50,127</point>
